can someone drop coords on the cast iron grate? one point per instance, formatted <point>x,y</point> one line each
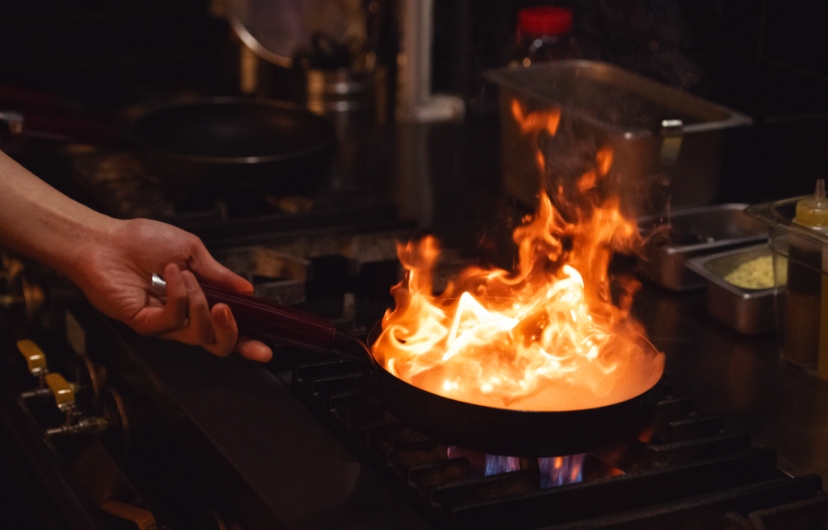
<point>684,472</point>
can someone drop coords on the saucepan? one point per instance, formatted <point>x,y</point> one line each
<point>491,430</point>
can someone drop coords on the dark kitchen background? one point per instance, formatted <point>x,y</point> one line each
<point>765,58</point>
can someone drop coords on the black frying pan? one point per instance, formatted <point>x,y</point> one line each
<point>486,429</point>
<point>235,145</point>
<point>208,147</point>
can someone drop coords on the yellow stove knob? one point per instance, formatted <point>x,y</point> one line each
<point>35,359</point>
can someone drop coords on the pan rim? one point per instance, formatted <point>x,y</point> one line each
<point>233,100</point>
<point>377,329</point>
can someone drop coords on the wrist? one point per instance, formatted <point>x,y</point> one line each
<point>93,238</point>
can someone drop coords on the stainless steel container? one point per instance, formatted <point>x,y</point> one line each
<point>667,144</point>
<point>672,240</point>
<point>748,311</point>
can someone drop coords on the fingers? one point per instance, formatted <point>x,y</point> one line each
<point>214,328</point>
<point>227,338</point>
<point>158,320</point>
<point>211,271</point>
<point>254,350</point>
<point>226,331</point>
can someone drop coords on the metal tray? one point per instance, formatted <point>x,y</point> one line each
<point>699,231</point>
<point>748,311</point>
<point>667,144</point>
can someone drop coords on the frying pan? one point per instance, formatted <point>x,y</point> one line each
<point>235,145</point>
<point>208,147</point>
<point>489,430</point>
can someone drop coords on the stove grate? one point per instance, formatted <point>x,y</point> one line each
<point>685,471</point>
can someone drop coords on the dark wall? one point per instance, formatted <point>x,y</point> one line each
<point>100,50</point>
<point>768,59</point>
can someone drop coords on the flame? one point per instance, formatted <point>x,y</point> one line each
<point>560,470</point>
<point>545,336</point>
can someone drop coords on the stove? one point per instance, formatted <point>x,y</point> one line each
<point>165,432</point>
<point>301,443</point>
<point>684,471</point>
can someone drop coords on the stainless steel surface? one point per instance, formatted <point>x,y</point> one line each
<point>604,105</point>
<point>748,311</point>
<point>741,378</point>
<point>276,30</point>
<point>697,231</point>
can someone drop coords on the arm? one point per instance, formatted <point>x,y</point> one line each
<point>112,261</point>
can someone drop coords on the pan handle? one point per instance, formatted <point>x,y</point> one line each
<point>265,320</point>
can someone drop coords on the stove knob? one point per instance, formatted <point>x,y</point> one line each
<point>35,358</point>
<point>63,392</point>
<point>45,392</point>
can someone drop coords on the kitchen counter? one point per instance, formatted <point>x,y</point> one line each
<point>740,378</point>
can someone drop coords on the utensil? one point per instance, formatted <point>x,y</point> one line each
<point>236,145</point>
<point>690,233</point>
<point>748,311</point>
<point>667,144</point>
<point>203,149</point>
<point>489,430</point>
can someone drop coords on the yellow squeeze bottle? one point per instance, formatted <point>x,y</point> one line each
<point>813,213</point>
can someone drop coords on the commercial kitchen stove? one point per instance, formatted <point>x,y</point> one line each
<point>300,443</point>
<point>196,441</point>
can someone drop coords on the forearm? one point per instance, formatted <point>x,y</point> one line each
<point>39,222</point>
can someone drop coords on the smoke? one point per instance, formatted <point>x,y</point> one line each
<point>646,36</point>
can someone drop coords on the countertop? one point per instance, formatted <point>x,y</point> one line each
<point>740,378</point>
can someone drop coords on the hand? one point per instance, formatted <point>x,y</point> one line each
<point>114,273</point>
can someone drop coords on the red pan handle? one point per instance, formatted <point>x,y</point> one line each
<point>265,320</point>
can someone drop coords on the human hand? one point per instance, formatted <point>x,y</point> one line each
<point>114,272</point>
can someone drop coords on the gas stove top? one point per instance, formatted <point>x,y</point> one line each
<point>202,442</point>
<point>683,471</point>
<point>301,443</point>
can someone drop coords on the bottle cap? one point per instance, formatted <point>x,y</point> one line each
<point>545,20</point>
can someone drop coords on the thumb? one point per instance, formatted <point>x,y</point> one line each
<point>206,268</point>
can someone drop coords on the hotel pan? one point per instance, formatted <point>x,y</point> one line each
<point>698,231</point>
<point>748,311</point>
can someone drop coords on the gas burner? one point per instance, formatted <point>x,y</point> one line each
<point>683,471</point>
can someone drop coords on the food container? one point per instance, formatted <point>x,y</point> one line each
<point>801,265</point>
<point>748,311</point>
<point>667,144</point>
<point>672,240</point>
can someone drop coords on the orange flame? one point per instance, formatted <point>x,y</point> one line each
<point>545,336</point>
